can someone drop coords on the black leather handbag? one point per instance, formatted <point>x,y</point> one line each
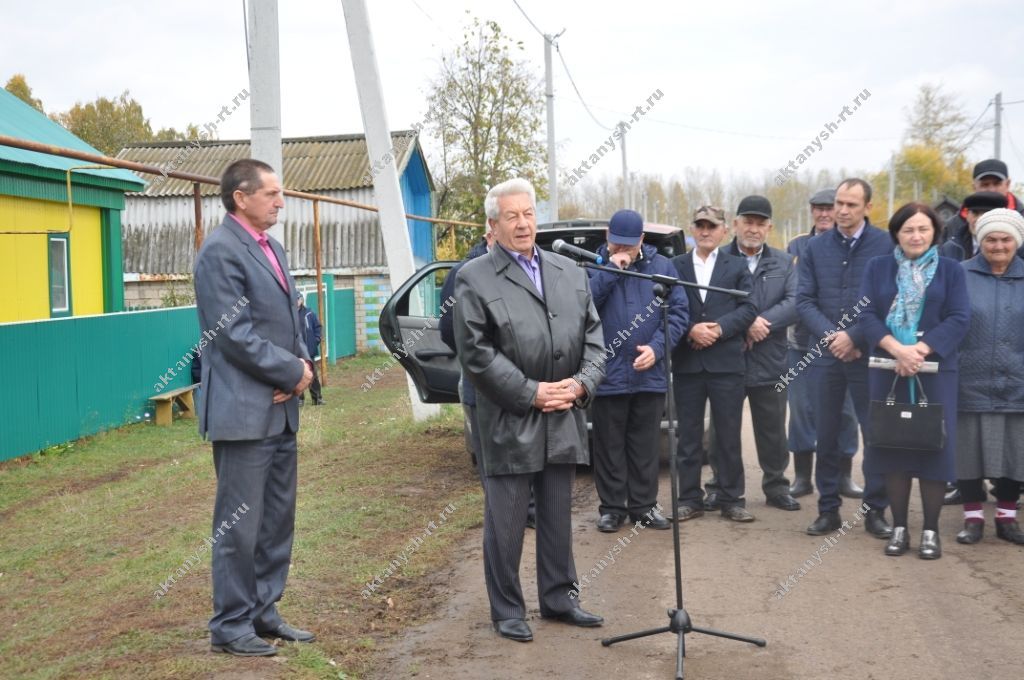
<point>895,425</point>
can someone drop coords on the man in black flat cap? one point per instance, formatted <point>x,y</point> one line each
<point>964,245</point>
<point>990,175</point>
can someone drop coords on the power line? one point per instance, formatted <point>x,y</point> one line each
<point>529,19</point>
<point>439,26</point>
<point>565,66</point>
<point>589,112</point>
<point>968,130</point>
<point>737,133</point>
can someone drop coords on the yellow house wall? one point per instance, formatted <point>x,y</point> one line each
<point>24,266</point>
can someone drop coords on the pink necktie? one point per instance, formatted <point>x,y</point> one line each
<point>265,245</point>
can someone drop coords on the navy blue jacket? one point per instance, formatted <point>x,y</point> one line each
<point>992,354</point>
<point>944,320</point>
<point>630,317</point>
<point>446,323</point>
<point>830,279</point>
<point>798,337</point>
<point>734,314</point>
<point>311,330</point>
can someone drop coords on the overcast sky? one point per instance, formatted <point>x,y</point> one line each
<point>746,85</point>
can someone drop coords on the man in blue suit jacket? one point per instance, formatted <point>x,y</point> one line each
<point>708,366</point>
<point>828,302</point>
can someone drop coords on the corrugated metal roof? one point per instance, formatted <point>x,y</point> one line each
<point>311,164</point>
<point>18,119</point>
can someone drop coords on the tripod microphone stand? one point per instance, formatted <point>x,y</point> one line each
<point>679,620</point>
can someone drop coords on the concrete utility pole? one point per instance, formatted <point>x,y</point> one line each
<point>998,127</point>
<point>265,88</point>
<point>387,193</point>
<point>892,182</point>
<point>549,95</point>
<point>625,168</point>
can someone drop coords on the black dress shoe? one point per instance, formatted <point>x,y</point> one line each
<point>1010,531</point>
<point>875,524</point>
<point>514,629</point>
<point>686,513</point>
<point>610,523</point>
<point>578,617</point>
<point>827,522</point>
<point>653,519</point>
<point>288,634</point>
<point>249,645</point>
<point>953,498</point>
<point>737,513</point>
<point>971,533</point>
<point>784,501</point>
<point>711,502</point>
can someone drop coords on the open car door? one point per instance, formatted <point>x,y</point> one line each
<point>409,329</point>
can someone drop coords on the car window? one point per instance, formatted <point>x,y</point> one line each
<point>424,300</point>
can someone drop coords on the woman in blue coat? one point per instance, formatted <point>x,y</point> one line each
<point>918,311</point>
<point>990,425</point>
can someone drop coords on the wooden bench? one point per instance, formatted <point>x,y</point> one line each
<point>165,404</point>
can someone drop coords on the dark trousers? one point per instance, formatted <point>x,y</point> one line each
<point>802,431</point>
<point>831,382</point>
<point>314,387</point>
<point>506,498</point>
<point>472,434</point>
<point>725,393</point>
<point>626,429</point>
<point>973,490</point>
<point>768,416</point>
<point>253,526</point>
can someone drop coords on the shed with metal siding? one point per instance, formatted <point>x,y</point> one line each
<point>159,221</point>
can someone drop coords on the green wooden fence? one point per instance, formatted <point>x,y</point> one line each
<point>68,378</point>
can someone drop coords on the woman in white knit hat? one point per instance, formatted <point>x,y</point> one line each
<point>990,418</point>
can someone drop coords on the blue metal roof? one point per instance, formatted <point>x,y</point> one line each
<point>18,119</point>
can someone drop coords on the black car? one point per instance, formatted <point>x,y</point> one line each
<point>409,320</point>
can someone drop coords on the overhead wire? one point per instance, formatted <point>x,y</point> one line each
<point>565,66</point>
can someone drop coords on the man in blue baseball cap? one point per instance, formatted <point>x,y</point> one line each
<point>629,403</point>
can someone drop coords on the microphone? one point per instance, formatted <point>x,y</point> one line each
<point>563,248</point>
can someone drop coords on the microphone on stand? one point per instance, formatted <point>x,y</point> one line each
<point>571,251</point>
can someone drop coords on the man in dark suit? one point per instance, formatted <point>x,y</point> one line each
<point>253,370</point>
<point>529,339</point>
<point>827,299</point>
<point>802,436</point>
<point>708,366</point>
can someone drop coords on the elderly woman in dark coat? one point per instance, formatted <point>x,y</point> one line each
<point>917,311</point>
<point>990,423</point>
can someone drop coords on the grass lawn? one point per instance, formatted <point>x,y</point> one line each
<point>90,530</point>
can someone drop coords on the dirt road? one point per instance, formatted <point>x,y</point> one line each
<point>851,613</point>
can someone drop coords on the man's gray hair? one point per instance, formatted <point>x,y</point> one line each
<point>510,187</point>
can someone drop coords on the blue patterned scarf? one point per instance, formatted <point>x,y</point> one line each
<point>912,278</point>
